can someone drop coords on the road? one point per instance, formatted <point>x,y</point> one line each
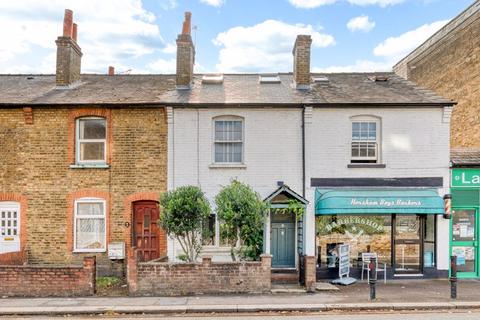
<point>434,315</point>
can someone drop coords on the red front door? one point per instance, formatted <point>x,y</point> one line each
<point>146,233</point>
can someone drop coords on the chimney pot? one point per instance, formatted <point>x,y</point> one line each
<point>68,23</point>
<point>301,61</point>
<point>187,24</point>
<point>74,32</point>
<point>111,71</point>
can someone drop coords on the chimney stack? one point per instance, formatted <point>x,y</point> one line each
<point>69,54</point>
<point>301,62</point>
<point>111,71</point>
<point>185,54</point>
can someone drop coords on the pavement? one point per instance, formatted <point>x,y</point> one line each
<point>397,295</point>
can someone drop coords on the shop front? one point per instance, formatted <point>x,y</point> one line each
<point>464,229</point>
<point>398,227</point>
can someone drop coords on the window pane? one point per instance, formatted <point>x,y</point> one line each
<point>90,234</point>
<point>228,130</point>
<point>89,209</point>
<point>92,151</point>
<point>228,152</point>
<point>92,128</point>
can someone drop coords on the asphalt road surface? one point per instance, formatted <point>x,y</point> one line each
<point>434,315</point>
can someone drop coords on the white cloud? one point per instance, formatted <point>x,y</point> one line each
<point>397,47</point>
<point>381,3</point>
<point>264,47</point>
<point>170,48</point>
<point>309,4</point>
<point>163,66</point>
<point>360,23</point>
<point>389,51</point>
<point>110,32</point>
<point>213,3</point>
<point>358,66</point>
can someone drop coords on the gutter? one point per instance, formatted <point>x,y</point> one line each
<point>303,153</point>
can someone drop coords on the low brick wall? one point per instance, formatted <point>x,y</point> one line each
<point>174,279</point>
<point>48,281</point>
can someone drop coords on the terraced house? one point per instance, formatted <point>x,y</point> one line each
<point>85,157</point>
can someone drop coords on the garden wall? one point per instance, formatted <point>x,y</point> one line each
<point>47,281</point>
<point>173,279</point>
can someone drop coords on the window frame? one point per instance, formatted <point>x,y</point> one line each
<point>75,218</point>
<point>215,141</point>
<point>78,141</point>
<point>378,140</point>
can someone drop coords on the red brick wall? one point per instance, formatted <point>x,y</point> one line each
<point>172,279</point>
<point>46,281</point>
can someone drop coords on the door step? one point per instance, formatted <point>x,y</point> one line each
<point>285,276</point>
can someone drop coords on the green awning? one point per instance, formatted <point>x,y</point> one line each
<point>361,201</point>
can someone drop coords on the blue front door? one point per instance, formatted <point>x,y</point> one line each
<point>283,244</point>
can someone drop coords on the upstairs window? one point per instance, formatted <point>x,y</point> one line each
<point>365,141</point>
<point>91,140</point>
<point>228,141</point>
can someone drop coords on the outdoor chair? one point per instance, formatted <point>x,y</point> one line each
<point>367,257</point>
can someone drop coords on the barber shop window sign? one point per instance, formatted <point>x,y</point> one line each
<point>355,227</point>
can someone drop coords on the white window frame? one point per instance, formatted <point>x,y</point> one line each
<point>78,141</point>
<point>378,139</point>
<point>242,141</point>
<point>11,206</point>
<point>104,217</point>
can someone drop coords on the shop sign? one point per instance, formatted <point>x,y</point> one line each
<point>385,202</point>
<point>465,178</point>
<point>344,260</point>
<point>356,226</point>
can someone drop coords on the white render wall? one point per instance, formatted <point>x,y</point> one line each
<point>414,143</point>
<point>272,152</point>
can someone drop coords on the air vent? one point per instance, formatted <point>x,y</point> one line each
<point>212,78</point>
<point>320,79</point>
<point>269,78</point>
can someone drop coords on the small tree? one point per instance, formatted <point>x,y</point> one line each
<point>241,212</point>
<point>184,211</point>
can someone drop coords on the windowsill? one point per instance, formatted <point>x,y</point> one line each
<point>90,251</point>
<point>227,166</point>
<point>366,165</point>
<point>90,166</point>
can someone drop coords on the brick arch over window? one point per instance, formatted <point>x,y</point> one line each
<point>73,115</point>
<point>128,217</point>
<point>16,197</point>
<point>85,193</point>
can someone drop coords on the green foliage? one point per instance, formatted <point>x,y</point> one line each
<point>241,212</point>
<point>295,207</point>
<point>107,282</point>
<point>184,211</point>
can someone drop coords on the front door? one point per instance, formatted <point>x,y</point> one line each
<point>283,241</point>
<point>146,234</point>
<point>464,244</point>
<point>408,249</point>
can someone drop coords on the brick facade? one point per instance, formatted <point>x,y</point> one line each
<point>35,166</point>
<point>449,64</point>
<point>173,279</point>
<point>46,281</point>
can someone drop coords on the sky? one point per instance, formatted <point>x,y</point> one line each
<point>138,36</point>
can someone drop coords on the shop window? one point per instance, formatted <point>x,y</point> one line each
<point>365,143</point>
<point>228,140</point>
<point>365,233</point>
<point>90,225</point>
<point>91,141</point>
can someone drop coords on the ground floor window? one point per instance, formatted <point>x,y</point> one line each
<point>405,243</point>
<point>90,225</point>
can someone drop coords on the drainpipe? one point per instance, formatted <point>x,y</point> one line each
<point>303,152</point>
